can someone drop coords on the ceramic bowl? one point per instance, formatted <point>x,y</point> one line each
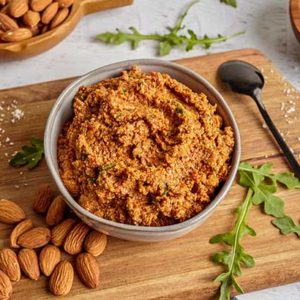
<point>62,111</point>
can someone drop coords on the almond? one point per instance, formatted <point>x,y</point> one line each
<point>65,3</point>
<point>49,257</point>
<point>95,243</point>
<point>60,231</point>
<point>29,263</point>
<point>31,18</point>
<point>18,8</point>
<point>16,35</point>
<point>9,264</point>
<point>35,238</point>
<point>61,280</point>
<point>49,13</point>
<point>17,231</point>
<point>39,5</point>
<point>88,270</point>
<point>10,212</point>
<point>74,240</point>
<point>7,23</point>
<point>56,211</point>
<point>43,199</point>
<point>5,286</point>
<point>61,15</point>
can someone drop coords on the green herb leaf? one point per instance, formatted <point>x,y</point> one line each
<point>179,110</point>
<point>166,190</point>
<point>288,179</point>
<point>229,2</point>
<point>167,41</point>
<point>29,155</point>
<point>286,225</point>
<point>164,48</point>
<point>108,166</point>
<point>237,256</point>
<point>261,185</point>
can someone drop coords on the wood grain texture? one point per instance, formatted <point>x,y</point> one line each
<point>179,269</point>
<point>295,17</point>
<point>43,42</point>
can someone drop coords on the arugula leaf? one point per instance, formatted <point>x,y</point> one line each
<point>236,257</point>
<point>286,225</point>
<point>288,179</point>
<point>167,41</point>
<point>265,184</point>
<point>29,155</point>
<point>273,206</point>
<point>261,185</point>
<point>229,2</point>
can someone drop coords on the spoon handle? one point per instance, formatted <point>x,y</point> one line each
<point>284,147</point>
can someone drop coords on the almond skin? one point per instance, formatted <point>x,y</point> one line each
<point>49,257</point>
<point>95,243</point>
<point>88,270</point>
<point>61,15</point>
<point>17,231</point>
<point>31,18</point>
<point>74,240</point>
<point>29,263</point>
<point>9,264</point>
<point>43,199</point>
<point>65,3</point>
<point>49,13</point>
<point>7,23</point>
<point>60,231</point>
<point>39,5</point>
<point>61,280</point>
<point>5,286</point>
<point>18,8</point>
<point>10,212</point>
<point>35,238</point>
<point>56,211</point>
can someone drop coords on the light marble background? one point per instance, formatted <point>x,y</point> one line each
<point>266,23</point>
<point>267,27</point>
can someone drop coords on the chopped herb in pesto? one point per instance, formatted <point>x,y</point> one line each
<point>179,110</point>
<point>108,167</point>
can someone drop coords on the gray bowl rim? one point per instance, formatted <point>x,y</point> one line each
<point>137,228</point>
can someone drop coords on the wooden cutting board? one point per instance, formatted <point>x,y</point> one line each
<point>181,268</point>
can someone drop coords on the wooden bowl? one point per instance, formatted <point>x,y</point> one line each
<point>295,17</point>
<point>49,39</point>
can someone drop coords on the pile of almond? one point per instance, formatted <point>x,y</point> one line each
<point>23,19</point>
<point>35,250</point>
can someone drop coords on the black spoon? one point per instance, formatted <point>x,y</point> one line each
<point>245,78</point>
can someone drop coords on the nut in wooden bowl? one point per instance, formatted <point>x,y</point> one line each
<point>29,27</point>
<point>22,19</point>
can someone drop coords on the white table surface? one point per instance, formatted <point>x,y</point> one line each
<point>267,27</point>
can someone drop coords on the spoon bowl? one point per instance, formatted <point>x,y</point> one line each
<point>45,41</point>
<point>241,76</point>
